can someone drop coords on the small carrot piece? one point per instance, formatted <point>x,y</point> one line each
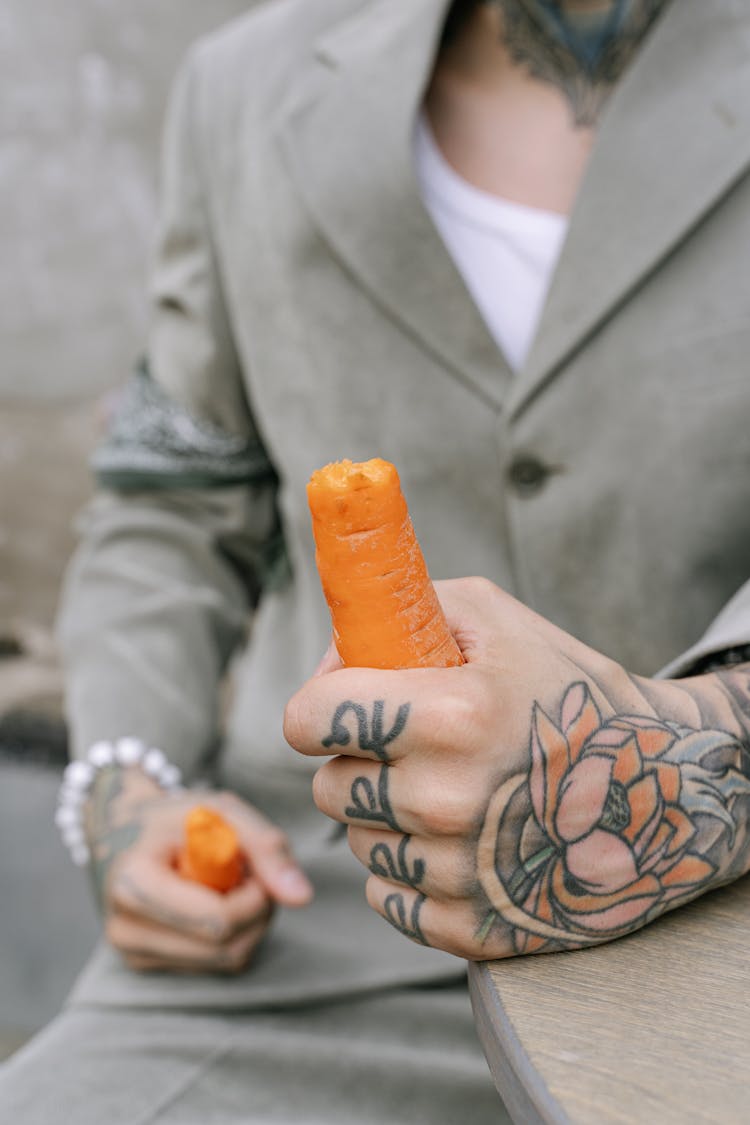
<point>211,854</point>
<point>384,608</point>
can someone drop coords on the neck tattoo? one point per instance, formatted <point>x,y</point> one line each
<point>582,53</point>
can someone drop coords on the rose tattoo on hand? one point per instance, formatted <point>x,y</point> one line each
<point>612,833</point>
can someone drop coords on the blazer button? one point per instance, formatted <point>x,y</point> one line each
<point>527,475</point>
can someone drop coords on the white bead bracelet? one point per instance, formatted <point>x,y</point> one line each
<point>79,777</point>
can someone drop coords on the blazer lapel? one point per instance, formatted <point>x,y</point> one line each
<point>346,133</point>
<point>674,139</point>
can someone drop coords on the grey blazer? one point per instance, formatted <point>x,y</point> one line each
<point>305,309</point>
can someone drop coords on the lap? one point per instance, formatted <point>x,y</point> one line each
<point>407,1055</point>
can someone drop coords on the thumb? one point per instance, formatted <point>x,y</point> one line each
<point>471,607</point>
<point>492,627</point>
<point>331,661</point>
<point>273,864</point>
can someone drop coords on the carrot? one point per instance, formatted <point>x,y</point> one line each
<point>384,608</point>
<point>211,854</point>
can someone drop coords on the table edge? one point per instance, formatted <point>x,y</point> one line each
<point>524,1091</point>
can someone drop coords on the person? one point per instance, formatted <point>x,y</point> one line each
<point>501,244</point>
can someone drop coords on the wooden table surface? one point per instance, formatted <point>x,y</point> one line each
<point>653,1029</point>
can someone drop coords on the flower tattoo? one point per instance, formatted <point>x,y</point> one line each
<point>610,813</point>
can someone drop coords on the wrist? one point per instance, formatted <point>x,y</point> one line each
<point>133,785</point>
<point>727,658</point>
<point>146,769</point>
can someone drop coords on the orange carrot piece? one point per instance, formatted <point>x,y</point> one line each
<point>384,608</point>
<point>212,854</point>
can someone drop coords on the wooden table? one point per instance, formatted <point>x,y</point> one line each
<point>653,1029</point>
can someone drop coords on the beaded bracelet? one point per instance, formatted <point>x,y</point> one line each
<point>79,777</point>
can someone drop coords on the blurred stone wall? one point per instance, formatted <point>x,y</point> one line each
<point>83,85</point>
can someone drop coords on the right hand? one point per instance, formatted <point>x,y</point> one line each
<point>156,919</point>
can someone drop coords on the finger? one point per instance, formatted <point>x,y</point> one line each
<point>331,661</point>
<point>405,909</point>
<point>436,868</point>
<point>132,934</point>
<point>361,793</point>
<point>399,798</point>
<point>147,888</point>
<point>150,948</point>
<point>451,927</point>
<point>381,715</point>
<point>492,627</point>
<point>269,853</point>
<point>464,622</point>
<point>471,606</point>
<point>144,964</point>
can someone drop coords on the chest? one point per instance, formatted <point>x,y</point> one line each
<point>613,499</point>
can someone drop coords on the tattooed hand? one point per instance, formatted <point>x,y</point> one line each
<point>538,798</point>
<point>156,919</point>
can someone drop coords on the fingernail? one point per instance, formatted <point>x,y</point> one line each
<point>325,661</point>
<point>293,882</point>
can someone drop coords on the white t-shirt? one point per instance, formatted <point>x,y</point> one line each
<point>505,252</point>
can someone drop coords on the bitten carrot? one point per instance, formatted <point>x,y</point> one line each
<point>384,608</point>
<point>212,854</point>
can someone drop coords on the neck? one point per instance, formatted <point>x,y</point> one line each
<point>579,47</point>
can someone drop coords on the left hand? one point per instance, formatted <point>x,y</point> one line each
<point>156,919</point>
<point>539,797</point>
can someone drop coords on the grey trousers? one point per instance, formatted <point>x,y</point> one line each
<point>409,1056</point>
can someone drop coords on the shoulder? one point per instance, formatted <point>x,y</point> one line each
<point>241,74</point>
<point>263,49</point>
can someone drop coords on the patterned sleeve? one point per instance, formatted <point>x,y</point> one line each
<point>154,443</point>
<point>184,533</point>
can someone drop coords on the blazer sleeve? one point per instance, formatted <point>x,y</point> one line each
<point>183,532</point>
<point>729,630</point>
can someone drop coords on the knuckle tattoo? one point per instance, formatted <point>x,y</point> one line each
<point>396,867</point>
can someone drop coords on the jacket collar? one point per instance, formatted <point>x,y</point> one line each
<point>673,140</point>
<point>347,137</point>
